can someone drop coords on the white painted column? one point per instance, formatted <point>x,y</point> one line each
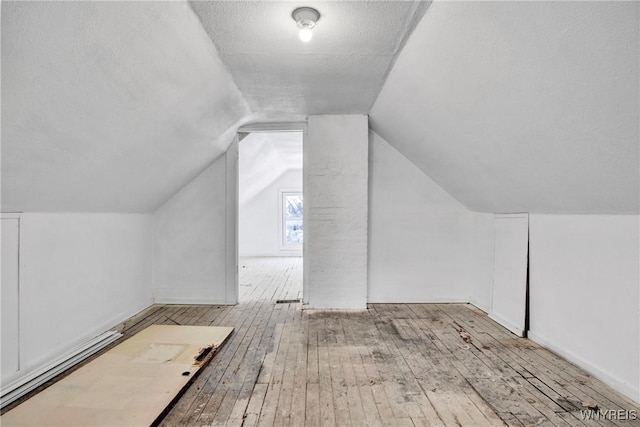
<point>336,206</point>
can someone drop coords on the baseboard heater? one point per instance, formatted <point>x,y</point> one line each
<point>24,385</point>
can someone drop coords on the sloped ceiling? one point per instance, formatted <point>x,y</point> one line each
<point>521,106</point>
<point>509,106</point>
<point>109,106</point>
<point>340,71</point>
<point>264,157</point>
<point>114,106</point>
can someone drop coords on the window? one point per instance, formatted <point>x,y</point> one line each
<point>292,220</point>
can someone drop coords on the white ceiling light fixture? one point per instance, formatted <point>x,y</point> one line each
<point>306,19</point>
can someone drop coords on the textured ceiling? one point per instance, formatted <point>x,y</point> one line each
<point>109,106</point>
<point>521,106</point>
<point>340,71</point>
<point>509,106</point>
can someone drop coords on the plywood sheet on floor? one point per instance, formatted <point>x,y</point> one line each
<point>390,365</point>
<point>130,385</point>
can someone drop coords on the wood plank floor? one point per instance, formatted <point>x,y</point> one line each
<point>270,278</point>
<point>392,364</point>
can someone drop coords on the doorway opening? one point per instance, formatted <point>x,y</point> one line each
<point>270,216</point>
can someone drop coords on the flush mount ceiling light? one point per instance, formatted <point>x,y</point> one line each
<point>306,18</point>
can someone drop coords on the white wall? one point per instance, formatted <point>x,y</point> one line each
<point>80,274</point>
<point>260,218</point>
<point>335,208</point>
<point>189,244</point>
<point>481,247</point>
<point>510,263</point>
<point>10,307</point>
<point>584,275</point>
<point>419,235</point>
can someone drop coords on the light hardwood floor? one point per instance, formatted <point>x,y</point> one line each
<point>392,364</point>
<point>270,278</point>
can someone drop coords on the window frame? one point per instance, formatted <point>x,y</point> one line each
<point>282,228</point>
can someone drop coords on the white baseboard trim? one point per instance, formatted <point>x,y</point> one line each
<point>34,379</point>
<point>121,317</point>
<point>77,351</point>
<point>479,305</point>
<point>191,301</point>
<point>518,330</point>
<point>282,254</point>
<point>628,390</point>
<point>397,300</point>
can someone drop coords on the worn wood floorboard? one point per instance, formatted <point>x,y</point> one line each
<point>393,364</point>
<point>389,365</point>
